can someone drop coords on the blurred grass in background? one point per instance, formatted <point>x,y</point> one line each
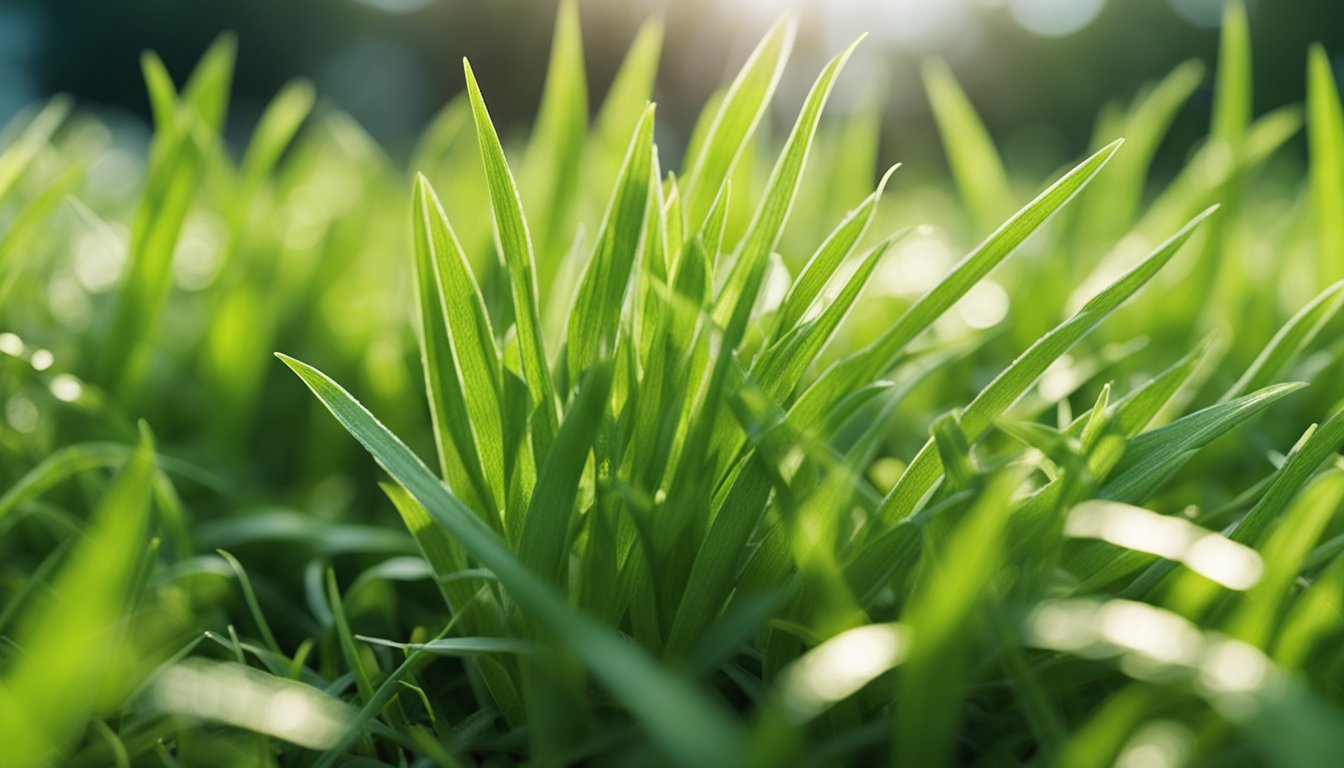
<point>1037,70</point>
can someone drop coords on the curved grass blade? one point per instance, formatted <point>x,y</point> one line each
<point>741,109</point>
<point>877,358</point>
<point>827,259</point>
<point>693,729</point>
<point>1149,457</point>
<point>925,471</point>
<point>1290,341</point>
<point>739,293</point>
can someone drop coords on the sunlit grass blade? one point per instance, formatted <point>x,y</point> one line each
<point>18,156</point>
<point>740,289</point>
<point>1290,341</point>
<point>1111,207</point>
<point>622,108</point>
<point>734,121</point>
<point>176,163</point>
<point>461,362</point>
<point>1285,549</point>
<point>596,311</point>
<point>933,678</point>
<point>18,238</point>
<point>874,360</point>
<point>1232,109</point>
<point>826,260</point>
<point>276,129</point>
<point>779,368</point>
<point>519,260</point>
<point>1014,381</point>
<point>1281,716</point>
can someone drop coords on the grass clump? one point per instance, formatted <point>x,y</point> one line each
<point>715,484</point>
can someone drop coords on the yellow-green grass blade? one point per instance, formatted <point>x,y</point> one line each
<point>827,258</point>
<point>1110,208</point>
<point>736,118</point>
<point>461,361</point>
<point>1284,552</point>
<point>276,129</point>
<point>623,107</point>
<point>878,357</point>
<point>35,137</point>
<point>958,576</point>
<point>1149,460</point>
<point>740,289</point>
<point>1232,108</point>
<point>923,473</point>
<point>1290,341</point>
<point>596,312</point>
<point>515,243</point>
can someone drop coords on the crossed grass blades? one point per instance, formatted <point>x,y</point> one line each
<point>667,521</point>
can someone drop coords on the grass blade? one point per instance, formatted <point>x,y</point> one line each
<point>691,728</point>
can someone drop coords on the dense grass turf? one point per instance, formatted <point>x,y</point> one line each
<point>730,465</point>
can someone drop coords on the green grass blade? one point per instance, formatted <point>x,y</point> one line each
<point>461,361</point>
<point>1290,341</point>
<point>595,315</point>
<point>1232,109</point>
<point>827,258</point>
<point>740,288</point>
<point>693,729</point>
<point>516,246</point>
<point>624,104</point>
<point>544,543</point>
<point>933,678</point>
<point>741,109</point>
<point>276,130</point>
<point>1015,380</point>
<point>1322,444</point>
<point>1149,457</point>
<point>1285,550</point>
<point>35,137</point>
<point>876,359</point>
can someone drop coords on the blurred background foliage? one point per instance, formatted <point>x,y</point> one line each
<point>392,64</point>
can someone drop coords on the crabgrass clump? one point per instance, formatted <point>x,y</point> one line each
<point>719,483</point>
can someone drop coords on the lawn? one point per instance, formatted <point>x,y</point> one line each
<point>542,447</point>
